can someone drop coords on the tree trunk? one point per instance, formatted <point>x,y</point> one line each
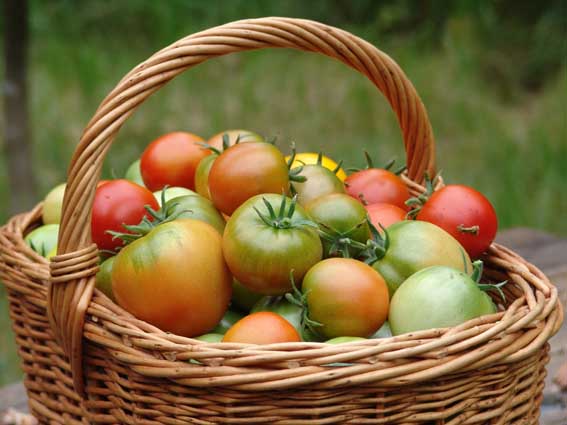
<point>17,138</point>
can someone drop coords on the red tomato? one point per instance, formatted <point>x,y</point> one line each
<point>464,213</point>
<point>172,160</point>
<point>246,170</point>
<point>263,327</point>
<point>376,185</point>
<point>118,202</point>
<point>385,214</point>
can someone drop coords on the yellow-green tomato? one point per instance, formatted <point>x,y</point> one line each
<point>436,297</point>
<point>172,192</point>
<point>51,253</point>
<point>43,239</point>
<point>212,337</point>
<point>198,208</point>
<point>103,280</point>
<point>320,182</point>
<point>134,174</point>
<point>53,204</point>
<point>175,277</point>
<point>344,339</point>
<point>202,176</point>
<point>415,245</point>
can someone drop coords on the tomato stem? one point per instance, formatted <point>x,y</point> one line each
<point>283,219</point>
<point>473,230</point>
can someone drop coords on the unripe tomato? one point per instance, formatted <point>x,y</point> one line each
<point>197,207</point>
<point>202,176</point>
<point>307,158</point>
<point>134,174</point>
<point>172,160</point>
<point>344,339</point>
<point>384,214</point>
<point>320,182</point>
<point>464,213</point>
<point>212,337</point>
<point>53,204</point>
<point>376,185</point>
<point>172,192</point>
<point>262,328</point>
<point>103,280</point>
<point>43,239</point>
<point>242,136</point>
<point>246,170</point>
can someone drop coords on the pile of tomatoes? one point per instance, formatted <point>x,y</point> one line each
<point>230,240</point>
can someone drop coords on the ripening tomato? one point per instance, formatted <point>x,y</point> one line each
<point>376,185</point>
<point>197,207</point>
<point>175,277</point>
<point>263,327</point>
<point>202,175</point>
<point>464,213</point>
<point>103,281</point>
<point>320,182</point>
<point>116,203</point>
<point>346,296</point>
<point>385,214</point>
<point>246,170</point>
<point>171,160</point>
<point>53,205</point>
<point>242,136</point>
<point>306,158</point>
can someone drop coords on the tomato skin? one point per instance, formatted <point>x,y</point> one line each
<point>243,298</point>
<point>344,339</point>
<point>202,176</point>
<point>436,297</point>
<point>246,170</point>
<point>347,297</point>
<point>245,136</point>
<point>211,337</point>
<point>134,173</point>
<point>279,305</point>
<point>385,214</point>
<point>172,160</point>
<point>260,256</point>
<point>263,327</point>
<point>103,280</point>
<point>415,245</point>
<point>53,205</point>
<point>376,185</point>
<point>198,208</point>
<point>320,182</point>
<point>43,239</point>
<point>116,203</point>
<point>175,278</point>
<point>172,192</point>
<point>306,158</point>
<point>455,206</point>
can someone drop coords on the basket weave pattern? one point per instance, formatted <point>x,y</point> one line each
<point>88,361</point>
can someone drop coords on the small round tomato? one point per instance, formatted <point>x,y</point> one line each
<point>339,216</point>
<point>320,182</point>
<point>263,327</point>
<point>385,214</point>
<point>227,321</point>
<point>376,185</point>
<point>465,213</point>
<point>346,296</point>
<point>307,158</point>
<point>53,205</point>
<point>116,203</point>
<point>103,280</point>
<point>175,277</point>
<point>197,207</point>
<point>242,297</point>
<point>279,305</point>
<point>265,239</point>
<point>43,239</point>
<point>436,297</point>
<point>134,173</point>
<point>171,160</point>
<point>246,170</point>
<point>242,136</point>
<point>172,192</point>
<point>202,176</point>
<point>415,245</point>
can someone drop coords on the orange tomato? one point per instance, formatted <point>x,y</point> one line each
<point>263,327</point>
<point>384,214</point>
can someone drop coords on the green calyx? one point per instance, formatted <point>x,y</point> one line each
<point>294,174</point>
<point>417,202</point>
<point>370,165</point>
<point>341,244</point>
<point>476,275</point>
<point>283,219</point>
<point>376,247</point>
<point>225,144</point>
<point>296,297</point>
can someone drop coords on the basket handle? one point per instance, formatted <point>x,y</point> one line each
<point>73,269</point>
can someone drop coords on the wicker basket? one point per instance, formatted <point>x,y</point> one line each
<point>88,361</point>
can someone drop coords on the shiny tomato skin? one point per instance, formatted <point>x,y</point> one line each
<point>385,214</point>
<point>456,206</point>
<point>118,202</point>
<point>347,297</point>
<point>175,278</point>
<point>202,176</point>
<point>198,208</point>
<point>243,136</point>
<point>246,170</point>
<point>376,185</point>
<point>263,327</point>
<point>320,182</point>
<point>172,160</point>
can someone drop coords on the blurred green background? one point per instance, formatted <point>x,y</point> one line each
<point>492,74</point>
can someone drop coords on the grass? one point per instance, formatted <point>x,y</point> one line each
<point>513,149</point>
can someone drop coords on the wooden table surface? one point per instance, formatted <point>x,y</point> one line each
<point>546,251</point>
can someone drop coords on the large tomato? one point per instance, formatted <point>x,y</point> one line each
<point>465,213</point>
<point>436,297</point>
<point>197,207</point>
<point>174,277</point>
<point>384,215</point>
<point>319,182</point>
<point>263,327</point>
<point>246,170</point>
<point>376,185</point>
<point>347,297</point>
<point>265,239</point>
<point>306,158</point>
<point>116,203</point>
<point>415,245</point>
<point>171,160</point>
<point>233,135</point>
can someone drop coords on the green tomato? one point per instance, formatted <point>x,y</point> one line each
<point>134,174</point>
<point>229,319</point>
<point>344,339</point>
<point>53,204</point>
<point>196,207</point>
<point>103,280</point>
<point>320,182</point>
<point>489,306</point>
<point>172,192</point>
<point>383,332</point>
<point>242,297</point>
<point>340,216</point>
<point>43,239</point>
<point>51,253</point>
<point>436,297</point>
<point>202,175</point>
<point>212,337</point>
<point>415,245</point>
